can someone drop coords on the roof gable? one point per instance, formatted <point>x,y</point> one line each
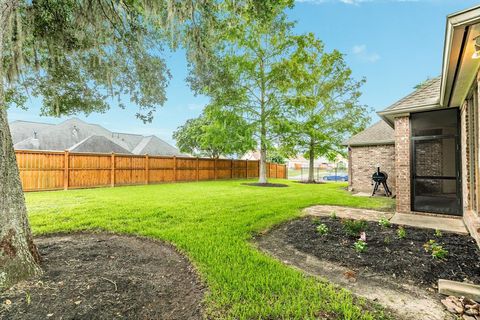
<point>378,134</point>
<point>98,144</point>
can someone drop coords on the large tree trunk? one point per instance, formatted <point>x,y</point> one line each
<point>263,165</point>
<point>262,178</point>
<point>19,258</point>
<point>311,167</point>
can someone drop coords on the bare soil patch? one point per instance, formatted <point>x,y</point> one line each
<point>106,276</point>
<point>267,185</point>
<point>386,253</point>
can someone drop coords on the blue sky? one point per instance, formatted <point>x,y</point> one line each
<point>394,44</point>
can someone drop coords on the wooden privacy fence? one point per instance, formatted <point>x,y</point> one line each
<point>50,170</point>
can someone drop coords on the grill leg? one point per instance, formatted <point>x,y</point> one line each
<point>375,188</point>
<point>387,190</point>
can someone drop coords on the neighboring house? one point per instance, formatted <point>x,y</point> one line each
<point>437,147</point>
<point>301,162</point>
<point>76,135</point>
<point>251,155</point>
<point>374,147</point>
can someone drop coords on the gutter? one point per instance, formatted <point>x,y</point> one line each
<point>367,144</point>
<point>388,115</point>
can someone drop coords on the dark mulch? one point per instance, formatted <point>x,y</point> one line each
<point>104,276</point>
<point>268,185</point>
<point>387,254</point>
<point>311,182</point>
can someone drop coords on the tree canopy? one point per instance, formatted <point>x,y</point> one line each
<point>246,75</point>
<point>324,102</point>
<point>215,134</point>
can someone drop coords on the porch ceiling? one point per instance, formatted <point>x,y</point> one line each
<point>459,68</point>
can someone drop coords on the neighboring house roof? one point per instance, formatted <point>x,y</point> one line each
<point>154,145</point>
<point>378,134</point>
<point>77,135</point>
<point>22,130</point>
<point>252,155</point>
<point>425,98</point>
<point>99,144</point>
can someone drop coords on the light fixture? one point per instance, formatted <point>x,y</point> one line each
<point>476,54</point>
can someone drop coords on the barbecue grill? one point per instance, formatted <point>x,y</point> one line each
<point>380,178</point>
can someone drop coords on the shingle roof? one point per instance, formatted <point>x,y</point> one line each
<point>77,135</point>
<point>378,134</point>
<point>22,130</point>
<point>428,94</point>
<point>98,144</point>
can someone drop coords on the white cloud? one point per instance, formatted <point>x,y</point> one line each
<point>363,54</point>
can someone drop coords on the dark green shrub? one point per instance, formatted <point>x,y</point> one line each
<point>353,227</point>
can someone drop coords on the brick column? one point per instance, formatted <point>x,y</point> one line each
<point>402,163</point>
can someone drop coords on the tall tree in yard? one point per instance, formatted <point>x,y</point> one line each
<point>246,73</point>
<point>324,100</point>
<point>76,55</point>
<point>214,134</point>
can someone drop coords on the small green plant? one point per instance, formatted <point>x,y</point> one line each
<point>401,232</point>
<point>333,215</point>
<point>354,227</point>
<point>360,246</point>
<point>438,233</point>
<point>384,222</point>
<point>437,250</point>
<point>322,229</point>
<point>387,240</point>
<point>316,221</point>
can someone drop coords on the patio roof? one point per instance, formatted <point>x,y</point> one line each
<point>425,98</point>
<point>460,67</point>
<point>378,134</point>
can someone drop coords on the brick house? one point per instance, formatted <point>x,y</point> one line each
<point>436,132</point>
<point>373,147</point>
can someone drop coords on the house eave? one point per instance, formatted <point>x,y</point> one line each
<point>461,28</point>
<point>368,144</point>
<point>390,115</point>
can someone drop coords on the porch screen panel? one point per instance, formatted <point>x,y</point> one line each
<point>435,162</point>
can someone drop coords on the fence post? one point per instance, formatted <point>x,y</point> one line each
<point>147,169</point>
<point>174,168</point>
<point>198,169</point>
<point>112,170</point>
<point>66,172</point>
<point>231,168</point>
<point>215,169</point>
<point>276,171</point>
<point>246,169</point>
<point>258,168</point>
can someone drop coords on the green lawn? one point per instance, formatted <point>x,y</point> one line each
<point>212,223</point>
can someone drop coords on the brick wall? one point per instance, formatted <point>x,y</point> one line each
<point>470,214</point>
<point>402,163</point>
<point>363,163</point>
<point>465,150</point>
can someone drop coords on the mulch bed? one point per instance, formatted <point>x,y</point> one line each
<point>268,185</point>
<point>311,182</point>
<point>387,254</point>
<point>106,276</point>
